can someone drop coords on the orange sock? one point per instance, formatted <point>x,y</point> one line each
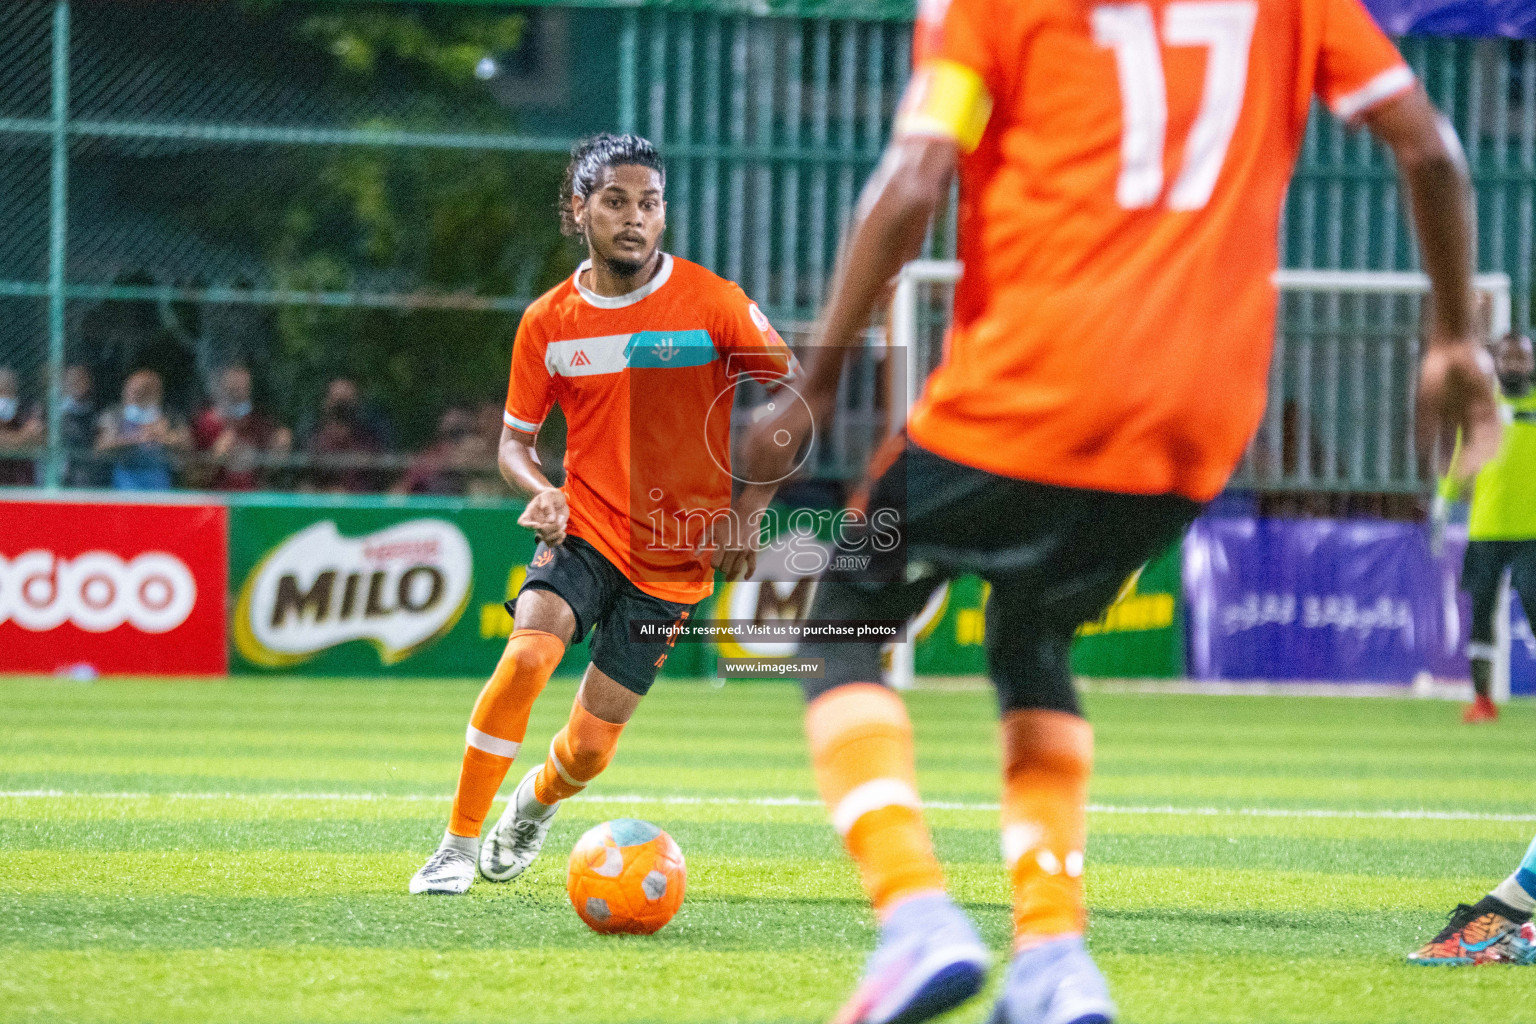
<point>1047,758</point>
<point>861,748</point>
<point>499,722</point>
<point>578,755</point>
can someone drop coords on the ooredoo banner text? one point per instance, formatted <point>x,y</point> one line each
<point>112,588</point>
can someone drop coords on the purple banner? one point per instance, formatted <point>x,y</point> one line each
<point>1515,19</point>
<point>1522,655</point>
<point>1318,599</point>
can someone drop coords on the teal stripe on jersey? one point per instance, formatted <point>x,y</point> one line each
<point>655,350</point>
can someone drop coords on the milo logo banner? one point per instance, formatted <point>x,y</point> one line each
<point>369,589</point>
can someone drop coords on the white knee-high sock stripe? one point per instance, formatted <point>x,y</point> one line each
<point>1482,651</point>
<point>490,744</point>
<point>1018,839</point>
<point>554,759</point>
<point>1023,838</point>
<point>872,796</point>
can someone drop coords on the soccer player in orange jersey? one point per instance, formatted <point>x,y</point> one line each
<point>643,352</point>
<point>1122,168</point>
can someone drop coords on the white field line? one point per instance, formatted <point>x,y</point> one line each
<point>1167,810</point>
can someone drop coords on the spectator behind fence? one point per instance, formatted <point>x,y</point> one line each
<point>452,460</point>
<point>78,414</point>
<point>347,443</point>
<point>235,435</point>
<point>21,427</point>
<point>139,439</point>
<point>486,481</point>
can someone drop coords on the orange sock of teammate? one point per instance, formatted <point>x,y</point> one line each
<point>861,748</point>
<point>499,722</point>
<point>1047,758</point>
<point>578,755</point>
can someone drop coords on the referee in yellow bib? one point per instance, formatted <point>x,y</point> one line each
<point>1502,528</point>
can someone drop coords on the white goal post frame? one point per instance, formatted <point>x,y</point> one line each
<point>903,336</point>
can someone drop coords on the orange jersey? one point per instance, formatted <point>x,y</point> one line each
<point>1120,199</point>
<point>646,382</point>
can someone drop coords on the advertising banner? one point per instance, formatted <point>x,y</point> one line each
<point>112,588</point>
<point>1141,635</point>
<point>951,630</point>
<point>374,588</point>
<point>1515,19</point>
<point>1341,601</point>
<point>1522,654</point>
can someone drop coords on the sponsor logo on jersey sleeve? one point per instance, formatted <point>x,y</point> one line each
<point>758,318</point>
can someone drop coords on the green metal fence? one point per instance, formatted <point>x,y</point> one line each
<point>330,186</point>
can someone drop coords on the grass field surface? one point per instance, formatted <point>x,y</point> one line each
<point>238,852</point>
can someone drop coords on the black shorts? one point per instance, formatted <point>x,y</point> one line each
<point>604,601</point>
<point>1482,570</point>
<point>1055,557</point>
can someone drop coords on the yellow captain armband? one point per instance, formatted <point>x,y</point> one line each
<point>947,100</point>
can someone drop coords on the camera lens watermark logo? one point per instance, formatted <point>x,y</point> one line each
<point>717,441</point>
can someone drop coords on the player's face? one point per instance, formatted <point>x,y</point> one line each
<point>1515,365</point>
<point>624,217</point>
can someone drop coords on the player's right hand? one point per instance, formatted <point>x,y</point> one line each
<point>1456,393</point>
<point>546,515</point>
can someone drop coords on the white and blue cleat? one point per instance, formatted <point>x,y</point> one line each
<point>1522,947</point>
<point>929,961</point>
<point>1056,982</point>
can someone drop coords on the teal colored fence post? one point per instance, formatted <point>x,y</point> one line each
<point>629,69</point>
<point>57,237</point>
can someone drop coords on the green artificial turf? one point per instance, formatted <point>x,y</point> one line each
<point>238,851</point>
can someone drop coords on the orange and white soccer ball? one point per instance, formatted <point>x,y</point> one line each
<point>626,876</point>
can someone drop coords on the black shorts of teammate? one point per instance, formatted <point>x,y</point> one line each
<point>604,601</point>
<point>1055,557</point>
<point>1482,570</point>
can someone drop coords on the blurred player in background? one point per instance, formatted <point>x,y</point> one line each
<point>636,347</point>
<point>1122,170</point>
<point>1494,930</point>
<point>1501,534</point>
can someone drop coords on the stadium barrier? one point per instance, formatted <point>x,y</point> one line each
<point>347,586</point>
<point>1321,600</point>
<point>91,587</point>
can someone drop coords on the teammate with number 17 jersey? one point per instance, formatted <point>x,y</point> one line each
<point>1119,223</point>
<point>1122,167</point>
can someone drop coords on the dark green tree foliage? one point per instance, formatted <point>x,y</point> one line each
<point>371,218</point>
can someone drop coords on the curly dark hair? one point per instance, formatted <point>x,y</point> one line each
<point>591,156</point>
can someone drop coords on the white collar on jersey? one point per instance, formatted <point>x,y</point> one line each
<point>629,298</point>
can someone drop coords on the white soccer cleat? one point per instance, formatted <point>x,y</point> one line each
<point>446,871</point>
<point>517,837</point>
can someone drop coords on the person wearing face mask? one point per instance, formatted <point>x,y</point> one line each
<point>1502,529</point>
<point>139,438</point>
<point>345,440</point>
<point>77,428</point>
<point>21,428</point>
<point>445,467</point>
<point>235,435</point>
